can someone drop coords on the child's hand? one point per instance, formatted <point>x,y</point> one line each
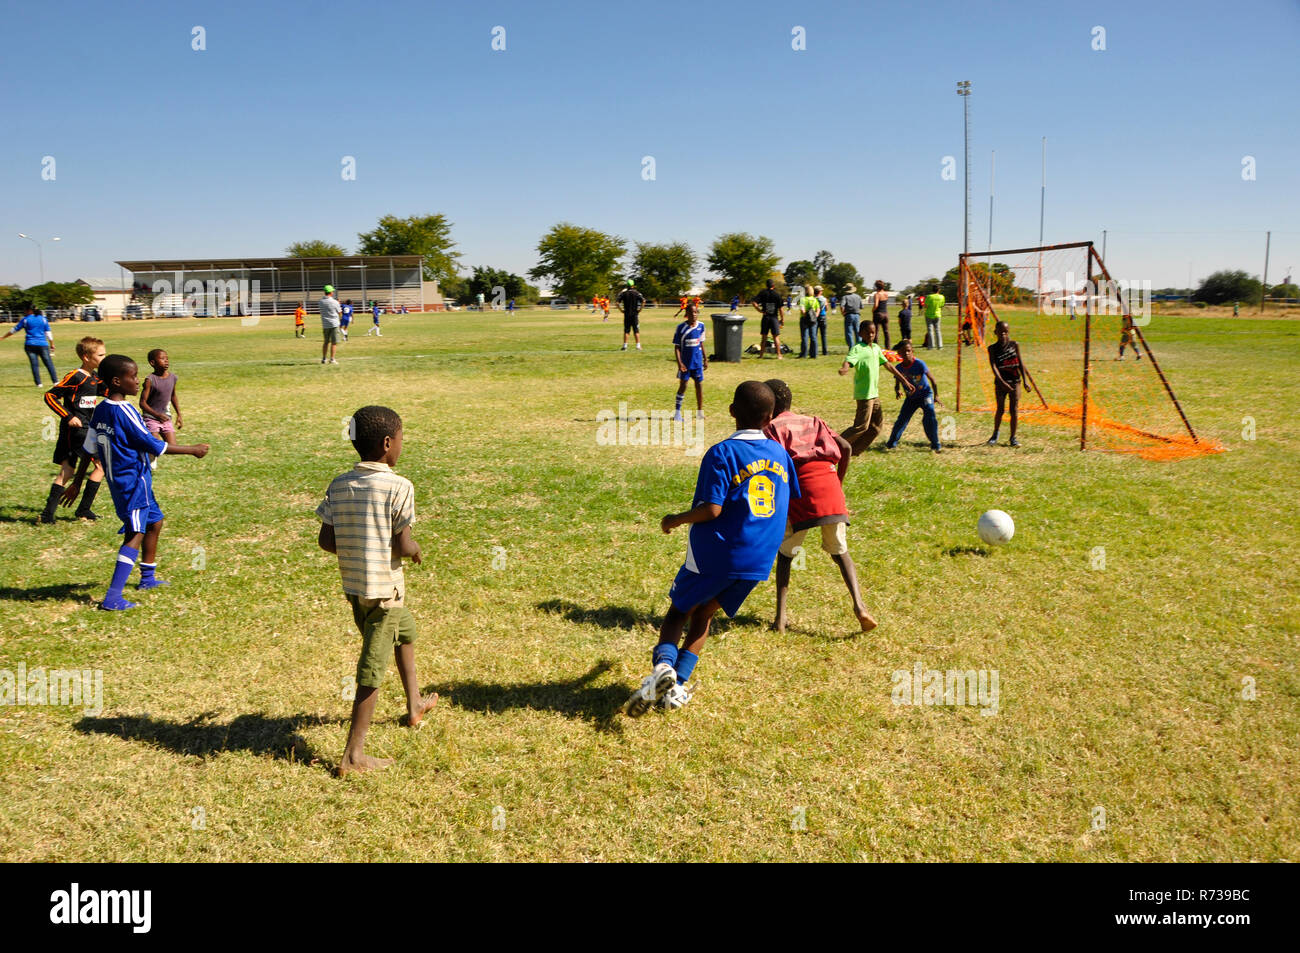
<point>666,524</point>
<point>75,422</point>
<point>71,493</point>
<point>201,450</point>
<point>179,425</point>
<point>417,557</point>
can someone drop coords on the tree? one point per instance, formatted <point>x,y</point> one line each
<point>1284,291</point>
<point>315,248</point>
<point>662,271</point>
<point>741,262</point>
<point>427,235</point>
<point>578,262</point>
<point>821,261</point>
<point>800,273</point>
<point>57,294</point>
<point>841,274</point>
<point>485,281</point>
<point>1223,287</point>
<point>927,286</point>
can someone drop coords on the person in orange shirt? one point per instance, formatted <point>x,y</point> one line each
<point>595,303</point>
<point>682,302</point>
<point>604,305</point>
<point>299,329</point>
<point>696,301</point>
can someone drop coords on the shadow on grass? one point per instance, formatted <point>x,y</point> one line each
<point>52,593</point>
<point>576,697</point>
<point>966,551</point>
<point>19,514</point>
<point>627,619</point>
<point>200,736</point>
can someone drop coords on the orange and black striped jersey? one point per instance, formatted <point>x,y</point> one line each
<point>75,395</point>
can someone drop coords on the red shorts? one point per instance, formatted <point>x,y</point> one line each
<point>820,494</point>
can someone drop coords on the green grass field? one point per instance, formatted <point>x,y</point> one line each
<point>545,578</point>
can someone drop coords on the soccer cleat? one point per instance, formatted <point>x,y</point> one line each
<point>623,348</point>
<point>993,440</point>
<point>653,687</point>
<point>674,698</point>
<point>936,450</point>
<point>117,605</point>
<point>1014,442</point>
<point>152,585</point>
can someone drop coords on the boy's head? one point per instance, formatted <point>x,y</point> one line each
<point>867,330</point>
<point>1002,331</point>
<point>377,434</point>
<point>120,375</point>
<point>91,352</point>
<point>348,302</point>
<point>904,350</point>
<point>781,393</point>
<point>691,313</point>
<point>752,405</point>
<point>158,360</point>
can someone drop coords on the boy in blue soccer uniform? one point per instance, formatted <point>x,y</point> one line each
<point>737,525</point>
<point>374,313</point>
<point>688,348</point>
<point>922,398</point>
<point>117,437</point>
<point>345,317</point>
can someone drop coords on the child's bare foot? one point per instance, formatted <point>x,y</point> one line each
<point>416,715</point>
<point>865,620</point>
<point>778,624</point>
<point>362,762</point>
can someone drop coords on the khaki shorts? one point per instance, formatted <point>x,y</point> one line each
<point>384,625</point>
<point>332,335</point>
<point>835,540</point>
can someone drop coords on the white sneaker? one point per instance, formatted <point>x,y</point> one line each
<point>675,697</point>
<point>677,415</point>
<point>653,686</point>
<point>332,361</point>
<point>638,347</point>
<point>623,348</point>
<point>699,415</point>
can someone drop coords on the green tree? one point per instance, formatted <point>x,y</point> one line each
<point>1284,291</point>
<point>840,274</point>
<point>821,261</point>
<point>801,273</point>
<point>927,286</point>
<point>427,235</point>
<point>58,294</point>
<point>578,262</point>
<point>1224,287</point>
<point>315,248</point>
<point>662,271</point>
<point>485,281</point>
<point>741,262</point>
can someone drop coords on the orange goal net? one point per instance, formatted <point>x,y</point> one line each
<point>1081,335</point>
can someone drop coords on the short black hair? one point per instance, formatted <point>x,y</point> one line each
<point>781,391</point>
<point>368,428</point>
<point>153,355</point>
<point>115,365</point>
<point>752,405</point>
<point>771,283</point>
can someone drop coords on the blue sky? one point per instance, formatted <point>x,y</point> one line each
<point>163,151</point>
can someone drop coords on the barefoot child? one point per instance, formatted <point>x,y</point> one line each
<point>158,393</point>
<point>1008,372</point>
<point>119,440</point>
<point>737,524</point>
<point>821,460</point>
<point>922,397</point>
<point>688,349</point>
<point>366,519</point>
<point>1128,338</point>
<point>73,399</point>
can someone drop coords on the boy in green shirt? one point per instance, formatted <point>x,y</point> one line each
<point>866,359</point>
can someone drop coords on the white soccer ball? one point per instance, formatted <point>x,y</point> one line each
<point>996,527</point>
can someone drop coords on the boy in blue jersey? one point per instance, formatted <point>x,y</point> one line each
<point>117,437</point>
<point>688,348</point>
<point>374,314</point>
<point>345,317</point>
<point>922,398</point>
<point>737,525</point>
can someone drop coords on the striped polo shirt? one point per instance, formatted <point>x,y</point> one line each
<point>368,507</point>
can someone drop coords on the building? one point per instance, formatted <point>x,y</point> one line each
<point>111,294</point>
<point>279,285</point>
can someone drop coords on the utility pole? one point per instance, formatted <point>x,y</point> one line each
<point>963,90</point>
<point>993,165</point>
<point>1103,244</point>
<point>1263,292</point>
<point>40,253</point>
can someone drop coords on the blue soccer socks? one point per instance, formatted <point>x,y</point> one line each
<point>665,652</point>
<point>147,578</point>
<point>685,666</point>
<point>126,557</point>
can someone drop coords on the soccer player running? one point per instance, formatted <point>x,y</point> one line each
<point>631,302</point>
<point>772,309</point>
<point>688,348</point>
<point>821,461</point>
<point>1008,372</point>
<point>73,399</point>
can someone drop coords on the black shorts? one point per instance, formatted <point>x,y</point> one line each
<point>67,447</point>
<point>771,324</point>
<point>1012,388</point>
<point>631,323</point>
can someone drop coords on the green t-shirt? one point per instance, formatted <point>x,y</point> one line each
<point>934,306</point>
<point>810,305</point>
<point>866,360</point>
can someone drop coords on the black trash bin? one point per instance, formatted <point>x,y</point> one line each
<point>728,329</point>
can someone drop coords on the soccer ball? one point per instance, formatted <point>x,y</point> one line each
<point>996,527</point>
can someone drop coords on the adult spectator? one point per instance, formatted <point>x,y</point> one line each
<point>330,318</point>
<point>933,317</point>
<point>772,309</point>
<point>631,302</point>
<point>821,317</point>
<point>880,312</point>
<point>38,343</point>
<point>851,308</point>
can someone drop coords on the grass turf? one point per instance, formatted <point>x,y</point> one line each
<point>545,577</point>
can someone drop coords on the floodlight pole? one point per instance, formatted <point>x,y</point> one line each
<point>40,252</point>
<point>1263,291</point>
<point>1042,204</point>
<point>963,90</point>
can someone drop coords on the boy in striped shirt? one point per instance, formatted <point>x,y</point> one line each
<point>366,520</point>
<point>73,399</point>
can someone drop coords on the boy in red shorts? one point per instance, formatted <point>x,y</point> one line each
<point>821,460</point>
